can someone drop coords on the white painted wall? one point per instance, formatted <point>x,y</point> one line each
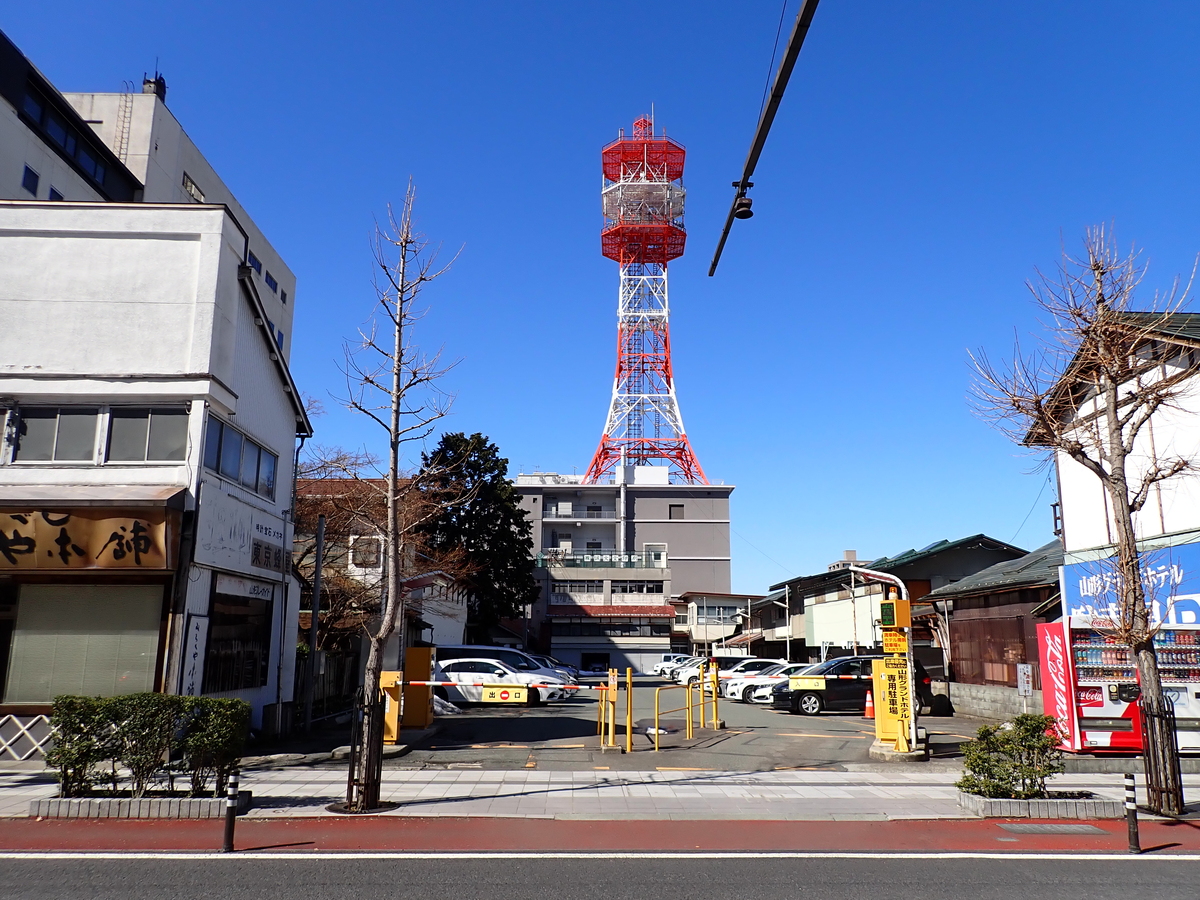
<point>159,153</point>
<point>1173,507</point>
<point>841,622</point>
<point>118,303</point>
<point>20,147</point>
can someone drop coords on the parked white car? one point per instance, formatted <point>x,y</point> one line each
<point>743,686</point>
<point>470,674</point>
<point>669,669</point>
<point>668,660</point>
<point>726,666</point>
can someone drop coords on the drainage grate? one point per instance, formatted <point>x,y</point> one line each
<point>1049,828</point>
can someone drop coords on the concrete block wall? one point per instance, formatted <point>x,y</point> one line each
<point>988,701</point>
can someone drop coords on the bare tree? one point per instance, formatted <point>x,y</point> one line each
<point>1089,392</point>
<point>394,384</point>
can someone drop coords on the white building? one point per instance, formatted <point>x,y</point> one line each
<point>149,416</point>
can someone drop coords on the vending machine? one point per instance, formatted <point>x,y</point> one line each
<point>1089,679</point>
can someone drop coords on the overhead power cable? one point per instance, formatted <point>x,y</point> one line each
<point>740,208</point>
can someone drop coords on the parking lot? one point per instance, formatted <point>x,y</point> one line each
<point>562,736</point>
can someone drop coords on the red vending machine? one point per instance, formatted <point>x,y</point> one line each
<point>1089,680</point>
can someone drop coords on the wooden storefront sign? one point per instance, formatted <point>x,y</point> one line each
<point>88,538</point>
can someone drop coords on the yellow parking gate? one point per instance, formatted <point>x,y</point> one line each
<point>606,713</point>
<point>658,711</point>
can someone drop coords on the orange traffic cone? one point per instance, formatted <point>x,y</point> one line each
<point>870,711</point>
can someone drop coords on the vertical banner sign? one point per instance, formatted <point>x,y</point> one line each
<point>1058,692</point>
<point>195,641</point>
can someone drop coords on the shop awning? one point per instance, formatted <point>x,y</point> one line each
<point>739,640</point>
<point>118,496</point>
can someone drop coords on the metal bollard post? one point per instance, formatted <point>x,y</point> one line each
<point>628,710</point>
<point>1135,843</point>
<point>231,805</point>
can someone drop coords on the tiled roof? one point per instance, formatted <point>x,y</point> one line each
<point>614,610</point>
<point>1033,569</point>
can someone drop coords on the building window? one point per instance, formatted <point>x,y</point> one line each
<point>252,262</point>
<point>270,280</point>
<point>577,587</point>
<point>61,435</point>
<point>228,452</point>
<point>637,587</point>
<point>55,194</point>
<point>364,553</point>
<point>239,643</point>
<point>33,108</point>
<point>593,545</point>
<point>675,511</point>
<point>142,435</point>
<point>29,181</point>
<point>283,296</point>
<point>681,618</point>
<point>192,189</point>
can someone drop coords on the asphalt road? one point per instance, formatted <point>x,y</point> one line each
<point>604,879</point>
<point>562,736</point>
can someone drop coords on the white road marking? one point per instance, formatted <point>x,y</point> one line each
<point>599,854</point>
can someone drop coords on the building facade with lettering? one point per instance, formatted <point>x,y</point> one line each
<point>148,419</point>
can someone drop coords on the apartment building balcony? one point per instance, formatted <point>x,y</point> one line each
<point>578,515</point>
<point>553,557</point>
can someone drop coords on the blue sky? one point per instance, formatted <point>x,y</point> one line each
<point>926,158</point>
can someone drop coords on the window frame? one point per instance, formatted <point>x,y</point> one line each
<point>221,428</point>
<point>109,418</point>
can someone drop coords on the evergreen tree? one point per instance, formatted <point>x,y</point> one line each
<point>490,529</point>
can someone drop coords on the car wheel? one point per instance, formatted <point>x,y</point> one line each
<point>747,695</point>
<point>535,698</point>
<point>809,704</point>
<point>695,679</point>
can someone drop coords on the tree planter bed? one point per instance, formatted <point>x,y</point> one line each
<point>126,808</point>
<point>1049,808</point>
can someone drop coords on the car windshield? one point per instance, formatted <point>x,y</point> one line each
<point>822,668</point>
<point>773,670</point>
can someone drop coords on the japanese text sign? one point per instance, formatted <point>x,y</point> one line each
<point>54,540</point>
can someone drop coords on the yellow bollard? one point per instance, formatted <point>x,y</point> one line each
<point>612,708</point>
<point>600,715</point>
<point>716,686</point>
<point>689,712</point>
<point>629,710</point>
<point>700,684</point>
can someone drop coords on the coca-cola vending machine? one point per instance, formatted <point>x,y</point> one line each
<point>1089,679</point>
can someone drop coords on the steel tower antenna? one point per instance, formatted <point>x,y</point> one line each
<point>642,199</point>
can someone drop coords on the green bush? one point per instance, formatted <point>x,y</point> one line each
<point>82,740</point>
<point>139,732</point>
<point>1012,760</point>
<point>146,725</point>
<point>214,741</point>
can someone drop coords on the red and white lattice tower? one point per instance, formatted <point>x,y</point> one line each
<point>643,231</point>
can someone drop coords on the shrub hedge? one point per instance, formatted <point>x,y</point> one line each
<point>1012,760</point>
<point>145,738</point>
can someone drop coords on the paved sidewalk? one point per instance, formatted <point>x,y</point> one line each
<point>871,793</point>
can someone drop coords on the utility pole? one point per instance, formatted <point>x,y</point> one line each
<point>311,687</point>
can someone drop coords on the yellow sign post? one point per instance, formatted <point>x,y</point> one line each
<point>891,679</point>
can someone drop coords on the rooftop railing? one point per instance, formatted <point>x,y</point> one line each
<point>600,559</point>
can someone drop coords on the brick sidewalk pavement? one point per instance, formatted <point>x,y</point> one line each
<point>877,794</point>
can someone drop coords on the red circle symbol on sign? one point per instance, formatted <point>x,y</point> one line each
<point>504,695</point>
